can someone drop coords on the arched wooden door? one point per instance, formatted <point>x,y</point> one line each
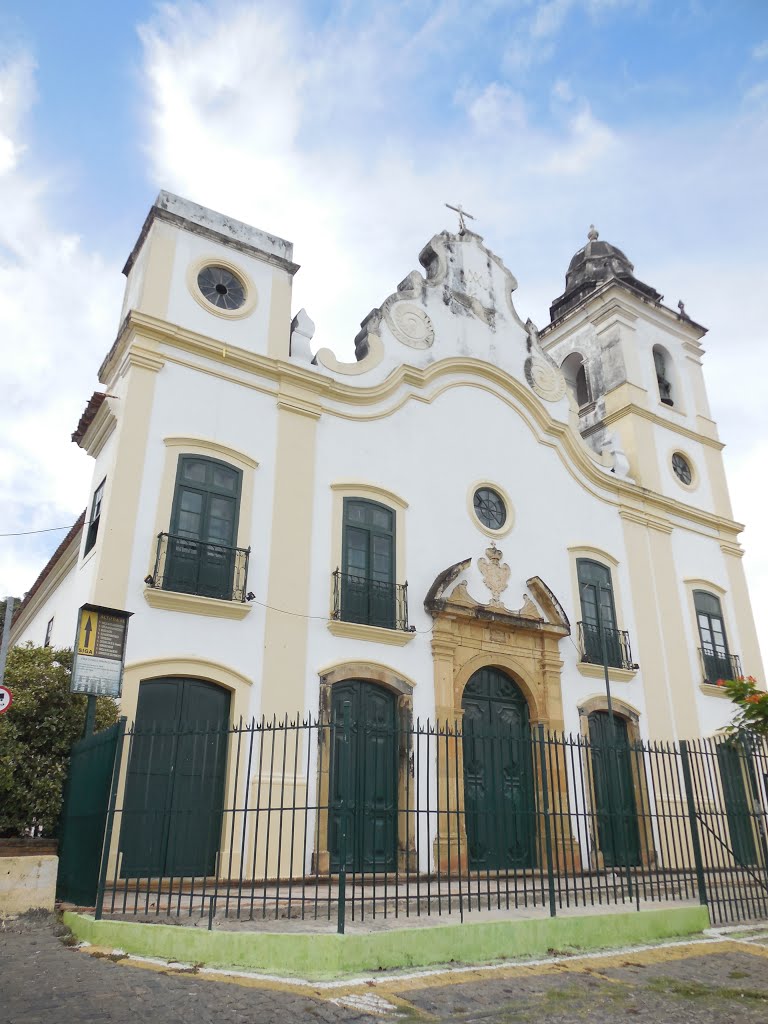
<point>613,786</point>
<point>498,773</point>
<point>174,793</point>
<point>363,782</point>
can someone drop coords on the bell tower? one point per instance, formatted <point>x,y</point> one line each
<point>633,366</point>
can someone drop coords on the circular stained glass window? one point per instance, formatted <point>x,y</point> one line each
<point>221,287</point>
<point>490,508</point>
<point>682,468</point>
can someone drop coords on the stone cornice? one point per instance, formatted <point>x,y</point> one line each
<point>660,421</point>
<point>310,392</point>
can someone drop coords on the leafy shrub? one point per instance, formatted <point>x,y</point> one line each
<point>36,736</point>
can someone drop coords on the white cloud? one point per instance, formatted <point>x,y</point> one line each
<point>760,52</point>
<point>316,136</point>
<point>496,109</point>
<point>58,310</point>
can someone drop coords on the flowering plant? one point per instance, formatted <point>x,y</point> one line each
<point>751,704</point>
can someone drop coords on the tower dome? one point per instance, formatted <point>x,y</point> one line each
<point>595,263</point>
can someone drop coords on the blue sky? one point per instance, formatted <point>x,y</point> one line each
<point>345,127</point>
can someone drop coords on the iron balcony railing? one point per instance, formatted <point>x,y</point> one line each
<point>370,602</point>
<point>719,665</point>
<point>617,647</point>
<point>204,568</point>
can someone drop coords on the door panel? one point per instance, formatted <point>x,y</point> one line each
<point>738,809</point>
<point>498,776</point>
<point>176,779</point>
<point>613,786</point>
<point>363,784</point>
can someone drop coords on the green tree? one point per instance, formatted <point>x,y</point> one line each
<point>16,603</point>
<point>36,736</point>
<point>751,704</point>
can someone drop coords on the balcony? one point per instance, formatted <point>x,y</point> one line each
<point>204,569</point>
<point>617,647</point>
<point>719,665</point>
<point>370,602</point>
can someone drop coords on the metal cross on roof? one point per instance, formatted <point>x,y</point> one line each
<point>462,214</point>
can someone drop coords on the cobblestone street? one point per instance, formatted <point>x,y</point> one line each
<point>45,981</point>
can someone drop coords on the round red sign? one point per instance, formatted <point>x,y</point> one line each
<point>6,699</point>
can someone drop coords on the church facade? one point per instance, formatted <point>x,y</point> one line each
<point>475,516</point>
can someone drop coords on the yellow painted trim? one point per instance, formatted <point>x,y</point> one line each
<point>326,358</point>
<point>697,584</point>
<point>405,379</point>
<point>355,489</point>
<point>279,329</point>
<point>713,691</point>
<point>374,670</point>
<point>100,430</point>
<point>510,522</point>
<point>284,664</point>
<point>157,270</point>
<point>598,554</point>
<point>376,634</point>
<point>676,428</point>
<point>599,702</point>
<point>616,675</point>
<point>231,454</point>
<point>217,260</point>
<point>191,604</point>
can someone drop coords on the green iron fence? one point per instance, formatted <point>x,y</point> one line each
<point>356,816</point>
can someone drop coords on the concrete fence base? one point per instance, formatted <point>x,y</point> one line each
<point>320,956</point>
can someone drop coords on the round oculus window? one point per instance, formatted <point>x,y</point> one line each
<point>490,508</point>
<point>221,287</point>
<point>682,468</point>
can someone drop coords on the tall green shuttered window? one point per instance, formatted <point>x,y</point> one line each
<point>368,564</point>
<point>201,547</point>
<point>598,609</point>
<point>714,641</point>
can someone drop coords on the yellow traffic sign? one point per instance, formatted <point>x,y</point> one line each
<point>86,634</point>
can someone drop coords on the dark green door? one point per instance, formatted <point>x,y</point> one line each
<point>368,564</point>
<point>201,556</point>
<point>614,791</point>
<point>176,774</point>
<point>733,770</point>
<point>498,775</point>
<point>363,783</point>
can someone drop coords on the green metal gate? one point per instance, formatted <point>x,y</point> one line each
<point>84,814</point>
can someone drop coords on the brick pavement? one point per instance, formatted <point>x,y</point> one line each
<point>42,981</point>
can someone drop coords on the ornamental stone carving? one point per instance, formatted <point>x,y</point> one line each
<point>495,574</point>
<point>411,325</point>
<point>543,374</point>
<point>546,380</point>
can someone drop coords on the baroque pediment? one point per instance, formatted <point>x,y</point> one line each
<point>478,589</point>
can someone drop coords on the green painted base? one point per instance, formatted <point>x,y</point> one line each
<point>322,956</point>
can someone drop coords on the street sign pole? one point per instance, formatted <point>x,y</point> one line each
<point>6,636</point>
<point>97,667</point>
<point>90,716</point>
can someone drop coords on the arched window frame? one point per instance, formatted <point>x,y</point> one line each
<point>663,367</point>
<point>574,369</point>
<point>716,659</point>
